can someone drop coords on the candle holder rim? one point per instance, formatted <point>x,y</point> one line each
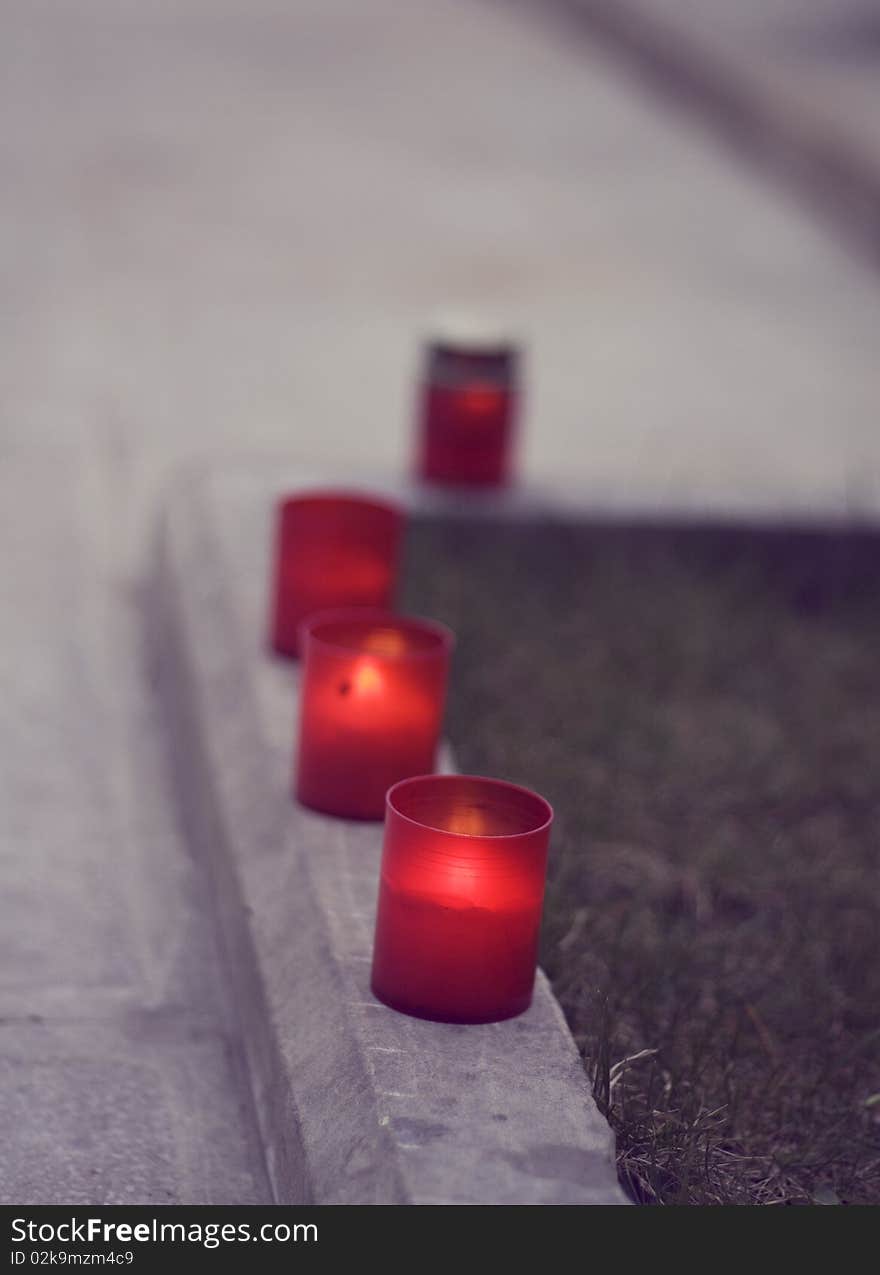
<point>505,357</point>
<point>487,780</point>
<point>462,331</point>
<point>340,495</point>
<point>375,616</point>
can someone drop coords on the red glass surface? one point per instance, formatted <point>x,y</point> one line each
<point>468,408</point>
<point>373,695</point>
<point>332,549</point>
<point>460,898</point>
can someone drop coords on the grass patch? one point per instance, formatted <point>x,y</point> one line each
<point>701,708</point>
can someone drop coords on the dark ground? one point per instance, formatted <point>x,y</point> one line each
<point>701,708</point>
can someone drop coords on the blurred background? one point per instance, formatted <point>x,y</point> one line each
<point>227,226</point>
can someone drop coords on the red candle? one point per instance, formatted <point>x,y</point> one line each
<point>468,406</point>
<point>332,549</point>
<point>460,898</point>
<point>373,694</point>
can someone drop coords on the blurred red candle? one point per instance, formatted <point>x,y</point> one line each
<point>460,898</point>
<point>332,549</point>
<point>373,695</point>
<point>467,411</point>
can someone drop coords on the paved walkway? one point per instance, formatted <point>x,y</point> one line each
<point>223,228</point>
<point>795,81</point>
<point>121,1072</point>
<point>823,54</point>
<point>229,223</point>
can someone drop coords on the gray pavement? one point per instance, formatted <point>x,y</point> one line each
<point>223,227</point>
<point>823,54</point>
<point>122,1075</point>
<point>796,81</point>
<point>228,224</point>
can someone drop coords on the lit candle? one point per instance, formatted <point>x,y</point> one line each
<point>332,549</point>
<point>468,405</point>
<point>373,694</point>
<point>460,898</point>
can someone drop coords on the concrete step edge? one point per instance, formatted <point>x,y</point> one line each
<point>356,1104</point>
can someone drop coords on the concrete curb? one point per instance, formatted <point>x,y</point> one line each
<point>783,126</point>
<point>357,1104</point>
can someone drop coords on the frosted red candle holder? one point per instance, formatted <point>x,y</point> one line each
<point>332,549</point>
<point>460,898</point>
<point>468,405</point>
<point>372,701</point>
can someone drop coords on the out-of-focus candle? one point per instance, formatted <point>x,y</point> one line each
<point>373,695</point>
<point>332,549</point>
<point>460,898</point>
<point>468,405</point>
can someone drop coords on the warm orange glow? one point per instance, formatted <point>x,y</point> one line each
<point>388,642</point>
<point>480,400</point>
<point>367,679</point>
<point>468,822</point>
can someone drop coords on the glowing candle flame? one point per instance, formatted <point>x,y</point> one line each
<point>480,400</point>
<point>366,680</point>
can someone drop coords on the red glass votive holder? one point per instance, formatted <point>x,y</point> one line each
<point>460,898</point>
<point>468,405</point>
<point>332,549</point>
<point>372,702</point>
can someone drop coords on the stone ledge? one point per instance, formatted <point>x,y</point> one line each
<point>357,1104</point>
